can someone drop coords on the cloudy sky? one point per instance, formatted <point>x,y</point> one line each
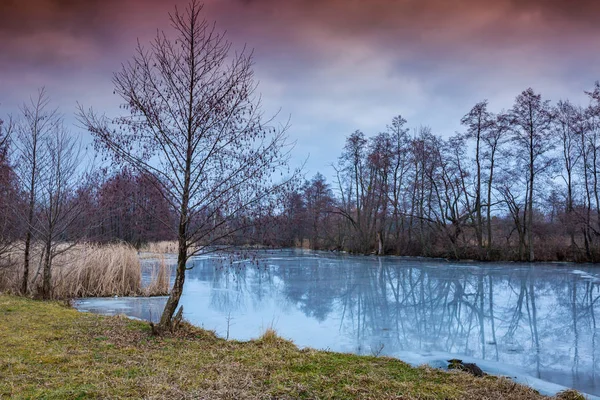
<point>334,66</point>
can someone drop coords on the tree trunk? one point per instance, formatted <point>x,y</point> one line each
<point>478,197</point>
<point>489,207</point>
<point>530,205</point>
<point>177,290</point>
<point>47,274</point>
<point>25,279</point>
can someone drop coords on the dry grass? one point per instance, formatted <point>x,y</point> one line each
<point>164,247</point>
<point>160,280</point>
<point>50,351</point>
<point>10,275</point>
<point>269,336</point>
<point>86,270</point>
<point>98,271</point>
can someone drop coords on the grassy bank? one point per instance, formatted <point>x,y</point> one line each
<point>51,351</point>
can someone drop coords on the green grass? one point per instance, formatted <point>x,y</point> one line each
<point>50,351</point>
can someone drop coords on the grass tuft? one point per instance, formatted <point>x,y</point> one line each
<point>269,336</point>
<point>570,394</point>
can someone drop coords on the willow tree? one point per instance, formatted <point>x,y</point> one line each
<point>193,121</point>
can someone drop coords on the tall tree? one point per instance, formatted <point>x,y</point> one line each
<point>8,190</point>
<point>318,198</point>
<point>131,208</point>
<point>352,178</point>
<point>37,123</point>
<point>567,127</point>
<point>592,147</point>
<point>58,208</point>
<point>493,139</point>
<point>380,158</point>
<point>531,118</point>
<point>194,122</point>
<point>400,164</point>
<point>479,122</point>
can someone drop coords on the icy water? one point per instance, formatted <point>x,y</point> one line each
<point>539,323</point>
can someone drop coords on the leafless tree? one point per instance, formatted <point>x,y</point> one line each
<point>58,208</point>
<point>194,122</point>
<point>353,180</point>
<point>493,139</point>
<point>531,119</point>
<point>400,164</point>
<point>37,123</point>
<point>7,188</point>
<point>479,121</point>
<point>319,201</point>
<point>591,154</point>
<point>568,125</point>
<point>5,132</point>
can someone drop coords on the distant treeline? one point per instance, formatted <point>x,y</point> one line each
<point>520,184</point>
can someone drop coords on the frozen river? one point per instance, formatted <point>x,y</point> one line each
<point>536,323</point>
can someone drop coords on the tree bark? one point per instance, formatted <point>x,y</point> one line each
<point>47,274</point>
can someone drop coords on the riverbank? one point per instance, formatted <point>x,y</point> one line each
<point>50,350</point>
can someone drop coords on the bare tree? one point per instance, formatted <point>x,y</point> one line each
<point>5,132</point>
<point>493,139</point>
<point>319,203</point>
<point>8,193</point>
<point>567,127</point>
<point>479,122</point>
<point>58,208</point>
<point>591,149</point>
<point>531,118</point>
<point>194,122</point>
<point>37,122</point>
<point>353,179</point>
<point>400,164</point>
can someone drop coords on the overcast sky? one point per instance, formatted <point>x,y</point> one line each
<point>334,66</point>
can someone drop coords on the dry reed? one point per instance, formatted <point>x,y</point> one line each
<point>9,274</point>
<point>98,271</point>
<point>163,247</point>
<point>85,270</point>
<point>159,278</point>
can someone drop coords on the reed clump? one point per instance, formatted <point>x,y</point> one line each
<point>85,270</point>
<point>160,275</point>
<point>162,247</point>
<point>98,271</point>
